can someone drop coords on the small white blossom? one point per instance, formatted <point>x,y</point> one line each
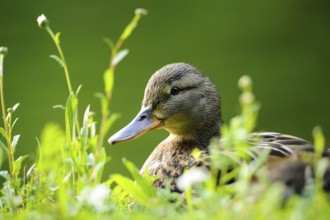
<point>91,159</point>
<point>96,196</point>
<point>192,176</point>
<point>3,51</point>
<point>42,21</point>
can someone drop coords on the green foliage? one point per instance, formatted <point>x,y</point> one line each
<point>108,77</point>
<point>66,179</point>
<point>141,189</point>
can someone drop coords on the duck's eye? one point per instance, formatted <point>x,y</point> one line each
<point>175,90</point>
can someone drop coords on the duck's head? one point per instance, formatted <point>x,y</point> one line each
<point>179,99</point>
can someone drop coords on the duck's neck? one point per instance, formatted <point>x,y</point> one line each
<point>180,146</point>
<point>199,137</point>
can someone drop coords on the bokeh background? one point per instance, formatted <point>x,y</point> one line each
<point>283,45</point>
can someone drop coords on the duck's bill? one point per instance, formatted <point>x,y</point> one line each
<point>144,121</point>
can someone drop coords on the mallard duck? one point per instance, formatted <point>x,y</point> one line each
<point>185,102</point>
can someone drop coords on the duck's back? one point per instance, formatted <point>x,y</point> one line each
<point>171,158</point>
<point>290,159</point>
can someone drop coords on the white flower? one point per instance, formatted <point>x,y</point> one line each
<point>95,197</point>
<point>42,21</point>
<point>3,51</point>
<point>192,176</point>
<point>98,196</point>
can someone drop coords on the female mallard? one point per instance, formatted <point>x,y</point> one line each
<point>183,101</point>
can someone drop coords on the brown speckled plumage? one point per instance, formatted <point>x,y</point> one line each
<point>169,160</point>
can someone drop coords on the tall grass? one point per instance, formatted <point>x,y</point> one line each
<point>65,180</point>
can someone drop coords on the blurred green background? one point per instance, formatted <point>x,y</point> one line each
<point>284,45</point>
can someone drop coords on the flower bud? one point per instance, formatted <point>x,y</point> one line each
<point>247,98</point>
<point>245,83</point>
<point>141,11</point>
<point>42,20</point>
<point>3,51</point>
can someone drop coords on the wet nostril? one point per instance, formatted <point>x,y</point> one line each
<point>142,117</point>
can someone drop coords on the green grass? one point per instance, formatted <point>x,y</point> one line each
<point>65,181</point>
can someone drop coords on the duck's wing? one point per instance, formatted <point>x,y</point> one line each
<point>281,145</point>
<point>287,161</point>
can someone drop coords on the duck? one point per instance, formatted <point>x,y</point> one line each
<point>185,102</point>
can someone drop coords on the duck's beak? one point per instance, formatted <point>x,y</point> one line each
<point>144,121</point>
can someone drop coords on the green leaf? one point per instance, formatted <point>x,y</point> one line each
<point>84,129</point>
<point>100,166</point>
<point>30,170</point>
<point>120,56</point>
<point>3,133</point>
<point>57,59</point>
<point>70,117</point>
<point>15,107</point>
<point>109,42</point>
<point>57,37</point>
<point>15,140</point>
<point>99,95</point>
<point>67,177</point>
<point>13,124</point>
<point>145,185</point>
<point>108,78</point>
<point>78,90</point>
<point>104,103</point>
<point>5,174</point>
<point>59,107</point>
<point>133,189</point>
<point>17,164</point>
<point>51,151</point>
<point>97,172</point>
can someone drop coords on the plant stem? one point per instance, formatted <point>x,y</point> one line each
<point>11,158</point>
<point>59,49</point>
<point>108,94</point>
<point>56,40</point>
<point>114,50</point>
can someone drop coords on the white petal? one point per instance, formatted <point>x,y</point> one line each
<point>192,176</point>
